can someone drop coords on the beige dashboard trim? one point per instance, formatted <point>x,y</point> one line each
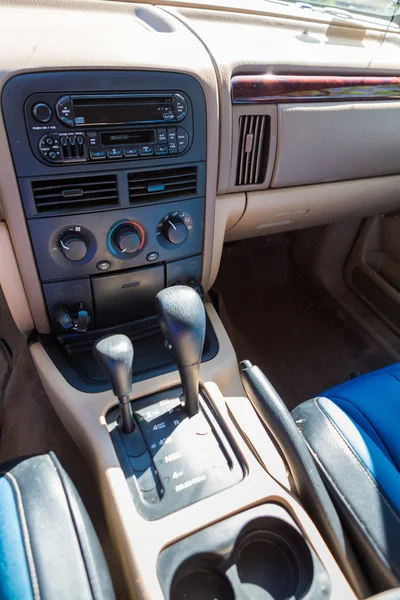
<point>11,284</point>
<point>291,208</point>
<point>137,541</point>
<point>229,210</point>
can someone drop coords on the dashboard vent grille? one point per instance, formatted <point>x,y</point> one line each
<point>75,193</point>
<point>163,184</point>
<point>253,149</point>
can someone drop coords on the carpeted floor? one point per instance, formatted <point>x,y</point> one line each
<point>29,425</point>
<point>283,323</point>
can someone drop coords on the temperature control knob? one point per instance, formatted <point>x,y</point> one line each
<point>73,246</point>
<point>175,230</point>
<point>128,239</point>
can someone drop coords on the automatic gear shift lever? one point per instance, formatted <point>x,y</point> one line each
<point>182,319</point>
<point>115,354</point>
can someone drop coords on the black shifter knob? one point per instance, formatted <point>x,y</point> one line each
<point>115,354</point>
<point>182,319</point>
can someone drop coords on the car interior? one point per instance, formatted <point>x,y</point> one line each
<point>199,304</point>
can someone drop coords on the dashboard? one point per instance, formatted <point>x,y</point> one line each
<point>126,165</point>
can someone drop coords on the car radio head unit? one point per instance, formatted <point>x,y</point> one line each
<point>120,109</point>
<point>79,127</point>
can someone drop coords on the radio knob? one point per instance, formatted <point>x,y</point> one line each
<point>73,246</point>
<point>41,112</point>
<point>175,231</point>
<point>128,239</point>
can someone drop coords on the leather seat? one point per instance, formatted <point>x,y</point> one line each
<point>353,432</point>
<point>48,546</point>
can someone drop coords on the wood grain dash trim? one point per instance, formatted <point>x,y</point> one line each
<point>273,89</point>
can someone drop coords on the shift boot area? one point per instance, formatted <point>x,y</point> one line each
<point>172,460</point>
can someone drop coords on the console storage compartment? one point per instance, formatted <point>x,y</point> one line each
<point>258,554</point>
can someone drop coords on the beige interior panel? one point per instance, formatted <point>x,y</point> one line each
<point>105,35</point>
<point>11,284</point>
<point>250,43</point>
<point>276,210</point>
<point>332,142</point>
<point>83,416</point>
<point>228,211</point>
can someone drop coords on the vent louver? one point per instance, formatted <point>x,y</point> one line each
<point>163,184</point>
<point>253,149</point>
<point>75,193</point>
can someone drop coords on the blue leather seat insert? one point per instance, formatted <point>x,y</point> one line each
<point>15,582</point>
<point>373,402</point>
<point>353,432</point>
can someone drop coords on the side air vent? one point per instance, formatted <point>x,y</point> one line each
<point>163,184</point>
<point>75,193</point>
<point>254,132</point>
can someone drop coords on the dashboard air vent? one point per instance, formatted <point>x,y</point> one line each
<point>163,184</point>
<point>75,193</point>
<point>253,149</point>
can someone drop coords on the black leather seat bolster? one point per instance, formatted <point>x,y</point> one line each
<point>370,518</point>
<point>63,554</point>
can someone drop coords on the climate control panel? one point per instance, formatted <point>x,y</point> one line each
<point>87,244</point>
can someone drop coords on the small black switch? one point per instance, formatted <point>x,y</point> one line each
<point>93,139</point>
<point>97,154</point>
<point>145,150</point>
<point>161,149</point>
<point>161,136</point>
<point>130,151</point>
<point>114,152</point>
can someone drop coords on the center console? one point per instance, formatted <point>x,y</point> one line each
<point>111,169</point>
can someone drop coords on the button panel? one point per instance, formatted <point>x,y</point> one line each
<point>86,146</point>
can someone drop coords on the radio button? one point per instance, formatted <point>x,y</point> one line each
<point>64,110</point>
<point>183,139</point>
<point>169,116</point>
<point>130,151</point>
<point>93,139</point>
<point>172,143</point>
<point>145,150</point>
<point>180,107</point>
<point>161,136</point>
<point>97,154</point>
<point>161,149</point>
<point>114,152</point>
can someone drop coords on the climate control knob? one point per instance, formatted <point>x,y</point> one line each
<point>175,230</point>
<point>128,238</point>
<point>73,246</point>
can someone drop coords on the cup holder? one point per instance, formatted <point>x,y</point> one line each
<point>273,562</point>
<point>260,554</point>
<point>201,583</point>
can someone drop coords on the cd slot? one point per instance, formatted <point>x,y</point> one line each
<point>123,138</point>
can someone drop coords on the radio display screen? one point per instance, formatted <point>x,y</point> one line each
<point>119,138</point>
<point>120,110</point>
